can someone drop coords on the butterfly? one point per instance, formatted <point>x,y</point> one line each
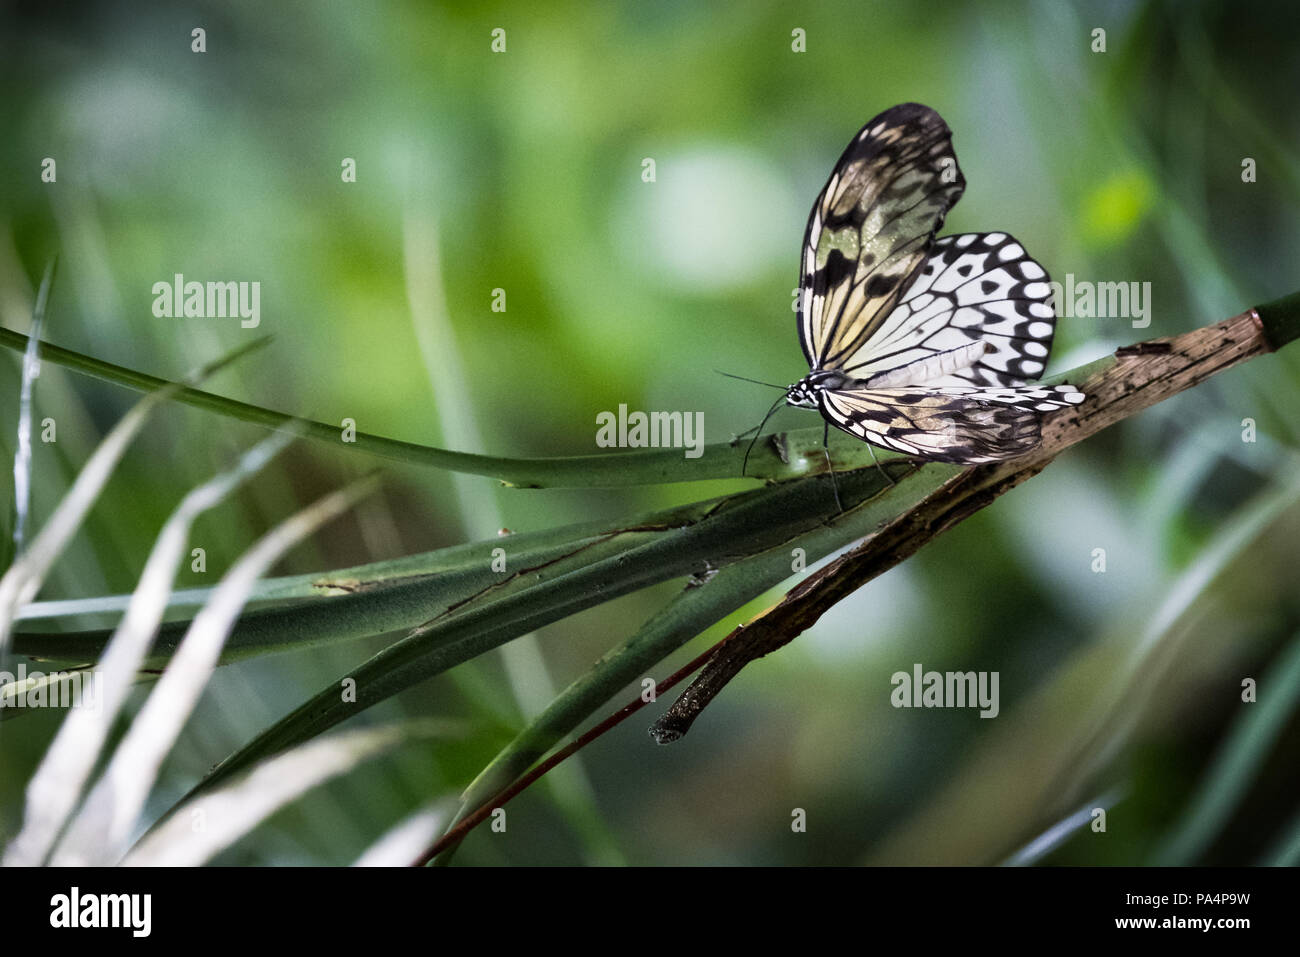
<point>915,344</point>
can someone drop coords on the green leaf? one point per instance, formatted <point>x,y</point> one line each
<point>733,530</point>
<point>779,456</point>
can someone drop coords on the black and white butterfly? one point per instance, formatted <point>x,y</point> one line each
<point>917,344</point>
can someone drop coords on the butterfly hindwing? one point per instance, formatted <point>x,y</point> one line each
<point>961,424</point>
<point>971,288</point>
<point>872,226</point>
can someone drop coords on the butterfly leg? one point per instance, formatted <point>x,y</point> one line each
<point>826,450</point>
<point>879,467</point>
<point>744,463</point>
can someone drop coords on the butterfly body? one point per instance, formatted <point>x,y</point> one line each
<point>918,344</point>
<point>806,393</point>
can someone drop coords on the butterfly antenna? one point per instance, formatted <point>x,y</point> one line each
<point>770,385</point>
<point>757,432</point>
<point>826,450</point>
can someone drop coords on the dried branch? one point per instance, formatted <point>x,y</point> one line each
<point>1139,376</point>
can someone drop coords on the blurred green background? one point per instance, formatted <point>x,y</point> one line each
<point>522,171</point>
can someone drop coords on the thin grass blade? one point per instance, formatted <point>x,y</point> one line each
<point>31,369</point>
<point>403,843</point>
<point>55,788</point>
<point>231,812</point>
<point>24,578</point>
<point>1237,764</point>
<point>99,833</point>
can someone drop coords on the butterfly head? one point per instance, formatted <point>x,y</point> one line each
<point>803,394</point>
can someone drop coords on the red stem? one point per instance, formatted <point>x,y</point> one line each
<point>457,833</point>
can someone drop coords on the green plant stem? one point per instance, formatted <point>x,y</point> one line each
<point>780,456</point>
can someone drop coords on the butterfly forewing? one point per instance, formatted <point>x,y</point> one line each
<point>972,288</point>
<point>871,228</point>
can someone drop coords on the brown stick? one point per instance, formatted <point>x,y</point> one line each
<point>1141,376</point>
